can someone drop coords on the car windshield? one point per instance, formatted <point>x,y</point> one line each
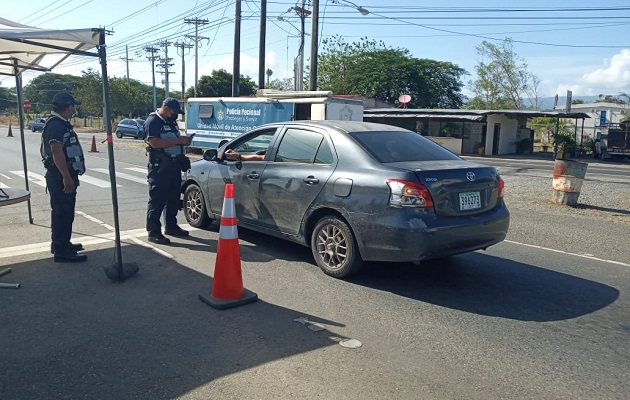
<point>400,146</point>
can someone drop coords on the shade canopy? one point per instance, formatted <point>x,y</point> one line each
<point>25,47</point>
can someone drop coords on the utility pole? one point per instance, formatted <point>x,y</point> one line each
<point>152,58</point>
<point>183,46</point>
<point>165,63</point>
<point>312,82</point>
<point>236,66</point>
<point>261,45</point>
<point>127,59</point>
<point>196,21</point>
<point>302,13</point>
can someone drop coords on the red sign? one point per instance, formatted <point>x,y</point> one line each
<point>27,105</point>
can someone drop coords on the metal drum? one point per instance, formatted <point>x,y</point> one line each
<point>568,176</point>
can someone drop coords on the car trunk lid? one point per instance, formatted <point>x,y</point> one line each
<point>457,187</point>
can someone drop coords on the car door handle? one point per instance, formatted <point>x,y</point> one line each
<point>311,180</point>
<point>253,176</point>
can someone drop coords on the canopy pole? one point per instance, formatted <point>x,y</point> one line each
<point>118,271</point>
<point>18,89</point>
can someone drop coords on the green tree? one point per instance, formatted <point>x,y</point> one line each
<point>8,99</point>
<point>281,84</point>
<point>502,77</point>
<point>90,92</point>
<point>219,84</point>
<point>41,90</point>
<point>371,69</point>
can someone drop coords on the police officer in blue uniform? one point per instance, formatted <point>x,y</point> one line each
<point>63,159</point>
<point>167,160</point>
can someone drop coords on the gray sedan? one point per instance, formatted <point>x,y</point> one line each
<point>352,192</point>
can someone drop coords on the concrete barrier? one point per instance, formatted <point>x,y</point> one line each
<point>568,176</point>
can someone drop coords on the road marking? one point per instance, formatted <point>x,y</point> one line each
<point>95,181</point>
<point>588,256</point>
<point>33,177</point>
<point>5,176</point>
<point>93,219</point>
<point>122,175</point>
<point>137,169</point>
<point>3,186</point>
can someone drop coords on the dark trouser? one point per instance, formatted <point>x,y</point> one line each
<point>164,195</point>
<point>61,211</point>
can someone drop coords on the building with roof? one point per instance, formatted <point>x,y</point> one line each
<point>483,132</point>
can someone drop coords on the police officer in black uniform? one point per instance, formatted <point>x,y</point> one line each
<point>167,160</point>
<point>63,158</point>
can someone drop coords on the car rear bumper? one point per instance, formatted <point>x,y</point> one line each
<point>404,235</point>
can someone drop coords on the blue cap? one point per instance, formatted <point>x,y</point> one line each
<point>173,104</point>
<point>64,99</point>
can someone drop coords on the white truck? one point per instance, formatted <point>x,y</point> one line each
<point>216,120</point>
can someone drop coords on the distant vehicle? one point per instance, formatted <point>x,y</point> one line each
<point>37,124</point>
<point>130,127</point>
<point>217,120</point>
<point>615,143</point>
<point>352,191</point>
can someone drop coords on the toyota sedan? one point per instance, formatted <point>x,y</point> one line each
<point>352,192</point>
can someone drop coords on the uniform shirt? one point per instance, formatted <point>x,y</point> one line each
<point>156,126</point>
<point>58,129</point>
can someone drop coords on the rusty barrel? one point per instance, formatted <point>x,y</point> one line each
<point>568,176</point>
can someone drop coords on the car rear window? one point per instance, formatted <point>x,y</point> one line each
<point>400,146</point>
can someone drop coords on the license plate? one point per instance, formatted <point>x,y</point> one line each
<point>469,200</point>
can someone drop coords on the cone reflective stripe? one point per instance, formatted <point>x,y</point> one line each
<point>227,286</point>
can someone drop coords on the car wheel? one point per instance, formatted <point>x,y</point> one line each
<point>33,129</point>
<point>195,207</point>
<point>334,248</point>
<point>119,134</point>
<point>139,135</point>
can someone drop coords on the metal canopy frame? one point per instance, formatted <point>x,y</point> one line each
<point>24,48</point>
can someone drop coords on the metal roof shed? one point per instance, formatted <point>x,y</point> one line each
<point>24,48</point>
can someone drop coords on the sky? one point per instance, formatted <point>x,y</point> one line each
<point>579,46</point>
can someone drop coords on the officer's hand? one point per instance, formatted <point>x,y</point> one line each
<point>185,140</point>
<point>68,185</point>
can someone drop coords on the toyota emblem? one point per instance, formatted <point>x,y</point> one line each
<point>470,176</point>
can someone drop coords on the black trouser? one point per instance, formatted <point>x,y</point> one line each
<point>61,211</point>
<point>164,194</point>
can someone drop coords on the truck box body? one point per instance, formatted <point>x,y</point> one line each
<point>214,120</point>
<point>616,143</point>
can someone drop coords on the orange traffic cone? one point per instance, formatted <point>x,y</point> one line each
<point>227,287</point>
<point>93,149</point>
<point>10,132</point>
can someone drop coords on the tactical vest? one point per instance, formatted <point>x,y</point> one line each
<point>75,160</point>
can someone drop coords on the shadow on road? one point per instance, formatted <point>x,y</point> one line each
<point>69,332</point>
<point>483,284</point>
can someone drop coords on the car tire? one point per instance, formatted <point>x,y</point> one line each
<point>33,129</point>
<point>139,135</point>
<point>119,134</point>
<point>334,248</point>
<point>195,207</point>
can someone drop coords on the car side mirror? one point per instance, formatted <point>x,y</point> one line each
<point>210,155</point>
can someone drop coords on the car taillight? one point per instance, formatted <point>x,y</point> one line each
<point>409,194</point>
<point>501,186</point>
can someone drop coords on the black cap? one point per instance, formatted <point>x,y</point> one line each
<point>64,99</point>
<point>173,104</point>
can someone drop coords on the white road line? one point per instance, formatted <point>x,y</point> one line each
<point>588,256</point>
<point>5,176</point>
<point>93,219</point>
<point>3,186</point>
<point>95,181</point>
<point>122,175</point>
<point>137,169</point>
<point>32,177</point>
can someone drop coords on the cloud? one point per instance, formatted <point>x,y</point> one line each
<point>613,77</point>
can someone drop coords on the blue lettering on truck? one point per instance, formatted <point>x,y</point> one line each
<point>215,121</point>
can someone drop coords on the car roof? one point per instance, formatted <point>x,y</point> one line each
<point>347,126</point>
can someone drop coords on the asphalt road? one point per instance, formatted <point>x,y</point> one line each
<point>520,320</point>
